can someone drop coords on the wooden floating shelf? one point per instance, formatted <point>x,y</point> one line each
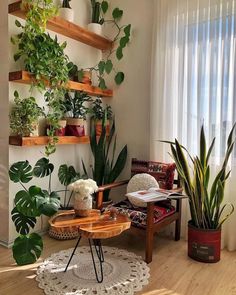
<point>66,28</point>
<point>27,78</point>
<point>43,140</point>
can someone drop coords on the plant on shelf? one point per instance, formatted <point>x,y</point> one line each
<point>205,201</point>
<point>105,170</point>
<point>44,58</point>
<point>66,11</point>
<point>120,40</point>
<point>75,112</point>
<point>31,203</point>
<point>24,116</point>
<point>66,4</point>
<point>67,175</point>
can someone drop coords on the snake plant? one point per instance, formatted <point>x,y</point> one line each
<point>205,201</point>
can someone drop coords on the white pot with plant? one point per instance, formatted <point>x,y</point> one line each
<point>24,116</point>
<point>66,12</point>
<point>98,9</point>
<point>75,112</point>
<point>83,200</point>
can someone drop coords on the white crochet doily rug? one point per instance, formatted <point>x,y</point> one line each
<point>124,273</point>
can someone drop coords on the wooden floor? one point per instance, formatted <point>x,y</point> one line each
<point>172,272</point>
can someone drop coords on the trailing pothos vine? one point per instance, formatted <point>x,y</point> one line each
<point>45,59</point>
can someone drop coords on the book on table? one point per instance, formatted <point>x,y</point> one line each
<point>156,194</point>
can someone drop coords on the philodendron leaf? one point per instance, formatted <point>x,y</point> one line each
<point>22,223</point>
<point>119,78</point>
<point>127,30</point>
<point>104,6</point>
<point>26,201</point>
<point>123,41</point>
<point>27,249</point>
<point>102,83</point>
<point>119,53</point>
<point>108,66</point>
<point>117,13</point>
<point>49,204</point>
<point>43,168</point>
<point>101,67</point>
<point>66,174</point>
<point>21,172</point>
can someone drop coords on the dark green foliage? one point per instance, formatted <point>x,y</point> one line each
<point>27,248</point>
<point>43,168</point>
<point>98,111</point>
<point>66,4</point>
<point>21,172</point>
<point>22,223</point>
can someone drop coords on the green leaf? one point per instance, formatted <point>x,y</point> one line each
<point>21,172</point>
<point>26,201</point>
<point>119,165</point>
<point>101,67</point>
<point>108,66</point>
<point>104,6</point>
<point>117,13</point>
<point>22,223</point>
<point>119,78</point>
<point>49,204</point>
<point>202,148</point>
<point>119,53</point>
<point>124,41</point>
<point>102,83</point>
<point>127,30</point>
<point>18,24</point>
<point>27,249</point>
<point>43,168</point>
<point>66,174</point>
<point>80,75</point>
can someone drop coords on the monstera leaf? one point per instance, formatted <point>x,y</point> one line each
<point>49,203</point>
<point>22,223</point>
<point>21,172</point>
<point>27,248</point>
<point>67,174</point>
<point>43,168</point>
<point>27,201</point>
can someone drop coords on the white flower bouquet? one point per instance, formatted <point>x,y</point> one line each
<point>83,188</point>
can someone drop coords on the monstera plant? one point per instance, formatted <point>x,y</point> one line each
<point>31,202</point>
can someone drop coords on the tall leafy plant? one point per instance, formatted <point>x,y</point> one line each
<point>205,201</point>
<point>31,203</point>
<point>106,167</point>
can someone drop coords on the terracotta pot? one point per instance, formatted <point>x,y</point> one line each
<point>66,13</point>
<point>87,78</point>
<point>75,127</point>
<point>95,28</point>
<point>204,244</point>
<point>98,127</point>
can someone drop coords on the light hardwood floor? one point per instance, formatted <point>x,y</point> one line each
<point>172,272</point>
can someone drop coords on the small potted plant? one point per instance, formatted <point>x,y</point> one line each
<point>82,76</point>
<point>24,116</point>
<point>205,197</point>
<point>83,200</point>
<point>98,112</point>
<point>66,12</point>
<point>75,112</point>
<point>97,19</point>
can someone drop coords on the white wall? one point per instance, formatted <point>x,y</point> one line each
<point>130,101</point>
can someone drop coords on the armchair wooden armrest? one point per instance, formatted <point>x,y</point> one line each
<point>101,189</point>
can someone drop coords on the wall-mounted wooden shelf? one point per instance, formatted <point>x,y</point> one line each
<point>66,28</point>
<point>43,140</point>
<point>27,78</point>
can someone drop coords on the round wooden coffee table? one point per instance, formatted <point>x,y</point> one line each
<point>95,227</point>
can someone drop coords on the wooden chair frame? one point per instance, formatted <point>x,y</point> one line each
<point>151,227</point>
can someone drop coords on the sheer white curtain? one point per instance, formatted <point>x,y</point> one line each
<point>194,83</point>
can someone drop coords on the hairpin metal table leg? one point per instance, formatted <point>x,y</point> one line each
<point>77,244</point>
<point>99,252</point>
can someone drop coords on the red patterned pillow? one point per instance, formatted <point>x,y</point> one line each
<point>164,173</point>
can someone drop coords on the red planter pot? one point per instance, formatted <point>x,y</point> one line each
<point>204,244</point>
<point>75,127</point>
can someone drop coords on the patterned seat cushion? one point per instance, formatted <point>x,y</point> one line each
<point>138,215</point>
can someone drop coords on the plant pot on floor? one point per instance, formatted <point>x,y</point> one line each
<point>95,28</point>
<point>67,14</point>
<point>75,127</point>
<point>204,245</point>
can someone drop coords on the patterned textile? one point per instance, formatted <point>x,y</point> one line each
<point>138,215</point>
<point>163,173</point>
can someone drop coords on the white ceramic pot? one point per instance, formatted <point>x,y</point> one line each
<point>95,28</point>
<point>82,205</point>
<point>35,131</point>
<point>66,13</point>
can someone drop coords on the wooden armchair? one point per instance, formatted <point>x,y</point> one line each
<point>157,214</point>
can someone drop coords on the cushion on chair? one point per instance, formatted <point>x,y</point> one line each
<point>163,172</point>
<point>138,182</point>
<point>138,215</point>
